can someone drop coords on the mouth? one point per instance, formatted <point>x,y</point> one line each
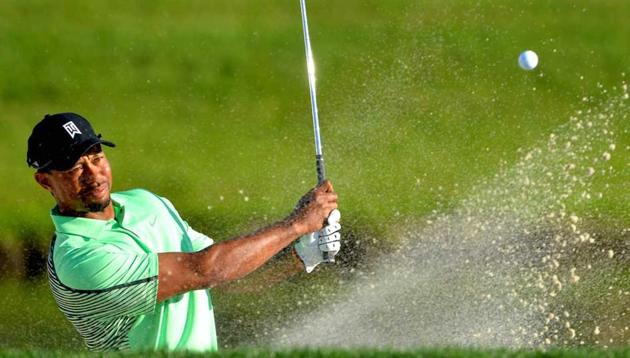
<point>95,190</point>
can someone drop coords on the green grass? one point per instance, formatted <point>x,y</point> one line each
<point>367,353</point>
<point>419,102</point>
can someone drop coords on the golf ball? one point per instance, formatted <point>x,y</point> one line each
<point>528,60</point>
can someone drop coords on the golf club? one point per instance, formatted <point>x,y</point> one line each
<point>319,156</point>
<point>310,67</point>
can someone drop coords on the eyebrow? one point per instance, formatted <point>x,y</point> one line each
<point>94,150</point>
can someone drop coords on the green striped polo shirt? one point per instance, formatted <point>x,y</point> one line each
<point>104,278</point>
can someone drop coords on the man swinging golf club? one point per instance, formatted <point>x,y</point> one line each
<point>126,270</point>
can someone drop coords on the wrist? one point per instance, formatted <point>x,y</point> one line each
<point>295,228</point>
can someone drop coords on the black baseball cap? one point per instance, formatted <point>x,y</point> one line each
<point>59,140</point>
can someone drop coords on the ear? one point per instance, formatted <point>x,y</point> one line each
<point>43,180</point>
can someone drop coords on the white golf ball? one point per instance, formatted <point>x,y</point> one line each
<point>528,60</point>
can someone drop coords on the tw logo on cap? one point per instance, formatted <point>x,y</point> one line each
<point>72,129</point>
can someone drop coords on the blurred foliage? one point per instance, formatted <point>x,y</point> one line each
<point>31,320</point>
<point>208,102</point>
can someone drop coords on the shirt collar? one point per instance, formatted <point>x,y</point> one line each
<point>84,226</point>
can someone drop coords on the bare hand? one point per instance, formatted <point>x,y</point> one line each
<point>312,210</point>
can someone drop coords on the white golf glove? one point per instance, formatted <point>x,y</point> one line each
<point>320,246</point>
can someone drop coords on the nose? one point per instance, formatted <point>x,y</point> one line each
<point>90,170</point>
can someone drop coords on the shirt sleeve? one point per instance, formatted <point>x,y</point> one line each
<point>198,240</point>
<point>109,281</point>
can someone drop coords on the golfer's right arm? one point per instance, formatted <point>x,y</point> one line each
<point>233,259</point>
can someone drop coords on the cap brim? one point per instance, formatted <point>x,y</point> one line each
<point>89,145</point>
<point>67,162</point>
<point>108,143</point>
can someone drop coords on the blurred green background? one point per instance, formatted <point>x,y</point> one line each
<point>208,104</point>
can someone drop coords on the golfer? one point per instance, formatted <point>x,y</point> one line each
<point>126,270</point>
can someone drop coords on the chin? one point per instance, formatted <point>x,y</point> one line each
<point>98,206</point>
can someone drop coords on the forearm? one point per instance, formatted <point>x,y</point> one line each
<point>281,267</point>
<point>234,259</point>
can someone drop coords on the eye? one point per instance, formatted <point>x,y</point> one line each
<point>74,170</point>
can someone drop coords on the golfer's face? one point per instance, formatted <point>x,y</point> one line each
<point>86,186</point>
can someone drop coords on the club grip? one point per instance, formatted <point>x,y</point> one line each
<point>321,176</point>
<point>321,171</point>
<point>327,257</point>
<point>333,217</point>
